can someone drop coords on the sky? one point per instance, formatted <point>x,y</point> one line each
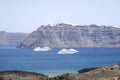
<point>27,15</point>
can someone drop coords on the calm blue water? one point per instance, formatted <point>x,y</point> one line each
<point>50,63</point>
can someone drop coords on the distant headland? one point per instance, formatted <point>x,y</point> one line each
<point>10,38</point>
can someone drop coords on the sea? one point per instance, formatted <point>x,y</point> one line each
<point>50,63</point>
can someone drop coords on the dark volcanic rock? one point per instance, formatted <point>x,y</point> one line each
<point>66,76</point>
<point>65,35</point>
<point>86,70</point>
<point>11,39</point>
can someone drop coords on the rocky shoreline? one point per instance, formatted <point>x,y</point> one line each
<point>102,73</point>
<point>22,75</point>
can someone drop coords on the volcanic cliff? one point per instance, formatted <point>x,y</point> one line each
<point>66,35</point>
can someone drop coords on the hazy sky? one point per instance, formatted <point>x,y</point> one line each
<point>27,15</point>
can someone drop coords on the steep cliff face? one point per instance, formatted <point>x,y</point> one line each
<point>11,38</point>
<point>66,35</point>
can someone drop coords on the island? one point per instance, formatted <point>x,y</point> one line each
<point>66,35</point>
